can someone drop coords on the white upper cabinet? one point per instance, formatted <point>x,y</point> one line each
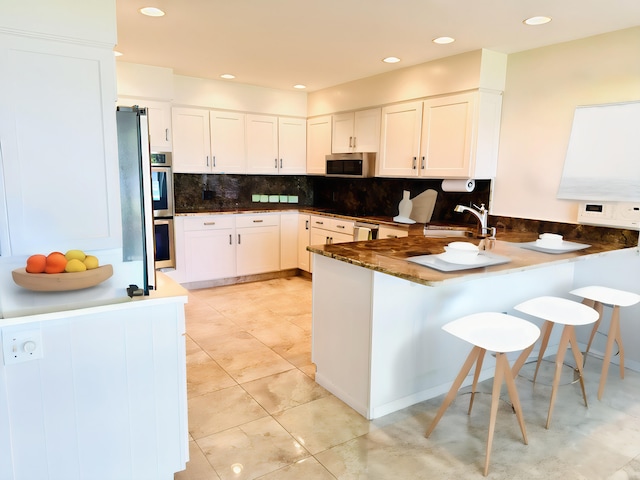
<point>159,115</point>
<point>58,147</point>
<point>318,144</point>
<point>454,136</point>
<point>191,140</point>
<point>207,141</point>
<point>356,131</point>
<point>400,143</point>
<point>276,145</point>
<point>227,142</point>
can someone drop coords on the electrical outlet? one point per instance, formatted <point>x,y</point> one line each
<point>21,345</point>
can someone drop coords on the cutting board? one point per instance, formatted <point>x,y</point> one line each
<point>423,205</point>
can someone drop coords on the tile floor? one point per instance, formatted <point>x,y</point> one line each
<point>255,411</point>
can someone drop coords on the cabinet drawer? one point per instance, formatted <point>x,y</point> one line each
<point>320,222</point>
<point>208,222</point>
<point>341,226</point>
<point>260,220</point>
<point>392,232</point>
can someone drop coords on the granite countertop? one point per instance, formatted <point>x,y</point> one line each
<point>389,256</point>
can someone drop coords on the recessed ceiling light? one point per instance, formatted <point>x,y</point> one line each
<point>443,40</point>
<point>117,53</point>
<point>227,76</point>
<point>151,12</point>
<point>391,60</point>
<point>540,20</point>
<point>300,86</point>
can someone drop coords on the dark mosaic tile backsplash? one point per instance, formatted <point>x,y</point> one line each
<point>356,197</point>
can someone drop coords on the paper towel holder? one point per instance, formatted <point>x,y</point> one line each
<point>466,185</point>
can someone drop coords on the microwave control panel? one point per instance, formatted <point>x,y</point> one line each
<point>610,214</point>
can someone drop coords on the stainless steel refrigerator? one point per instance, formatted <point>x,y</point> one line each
<point>135,194</point>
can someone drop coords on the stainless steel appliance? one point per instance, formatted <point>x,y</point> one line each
<point>162,195</point>
<point>350,165</point>
<point>135,195</point>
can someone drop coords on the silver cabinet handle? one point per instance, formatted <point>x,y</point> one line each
<point>415,162</point>
<point>340,226</point>
<point>214,160</point>
<point>238,239</point>
<point>280,163</point>
<point>258,221</point>
<point>422,164</point>
<point>230,239</point>
<point>350,139</point>
<point>209,223</point>
<point>319,223</point>
<point>276,163</point>
<point>166,134</point>
<point>354,142</point>
<point>306,224</point>
<point>207,160</point>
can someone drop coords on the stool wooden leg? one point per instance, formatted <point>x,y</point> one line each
<point>546,333</point>
<point>515,398</point>
<point>475,379</point>
<point>613,336</point>
<point>521,359</point>
<point>562,350</point>
<point>598,308</point>
<point>495,397</point>
<point>473,355</point>
<point>577,355</point>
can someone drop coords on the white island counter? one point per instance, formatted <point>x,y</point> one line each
<point>107,397</point>
<point>377,338</point>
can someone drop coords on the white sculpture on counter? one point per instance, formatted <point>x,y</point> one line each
<point>404,209</point>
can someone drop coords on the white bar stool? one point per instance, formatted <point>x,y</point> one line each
<point>597,297</point>
<point>500,333</point>
<point>564,312</point>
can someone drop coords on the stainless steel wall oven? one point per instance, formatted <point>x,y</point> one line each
<point>162,194</point>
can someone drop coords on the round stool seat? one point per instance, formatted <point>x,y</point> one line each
<point>497,332</point>
<point>608,296</point>
<point>558,310</point>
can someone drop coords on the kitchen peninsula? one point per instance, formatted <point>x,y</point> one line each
<point>377,318</point>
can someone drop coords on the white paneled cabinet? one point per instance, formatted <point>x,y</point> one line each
<point>288,240</point>
<point>160,132</point>
<point>276,145</point>
<point>454,136</point>
<point>304,240</point>
<point>59,183</point>
<point>208,247</point>
<point>258,243</point>
<point>356,131</point>
<point>318,144</point>
<point>208,141</point>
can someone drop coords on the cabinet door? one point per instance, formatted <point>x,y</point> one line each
<point>191,140</point>
<point>447,133</point>
<point>292,146</point>
<point>288,240</point>
<point>342,133</point>
<point>159,115</point>
<point>319,236</point>
<point>262,144</point>
<point>227,142</point>
<point>366,134</point>
<point>400,143</point>
<point>318,144</point>
<point>209,254</point>
<point>258,250</point>
<point>304,239</point>
<point>58,149</point>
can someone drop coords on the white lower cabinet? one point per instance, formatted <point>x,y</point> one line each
<point>304,240</point>
<point>327,230</point>
<point>392,232</point>
<point>258,243</point>
<point>209,247</point>
<point>288,240</point>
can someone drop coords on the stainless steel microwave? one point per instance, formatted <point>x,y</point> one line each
<point>350,165</point>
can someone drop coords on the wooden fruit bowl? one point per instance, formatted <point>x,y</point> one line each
<point>61,282</point>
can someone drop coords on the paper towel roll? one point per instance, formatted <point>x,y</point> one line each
<point>458,185</point>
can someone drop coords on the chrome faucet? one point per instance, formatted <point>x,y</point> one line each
<point>482,214</point>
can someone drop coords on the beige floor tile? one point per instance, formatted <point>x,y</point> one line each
<point>306,469</point>
<point>323,423</point>
<point>251,450</point>
<point>198,468</point>
<point>284,390</point>
<point>220,410</point>
<point>204,375</point>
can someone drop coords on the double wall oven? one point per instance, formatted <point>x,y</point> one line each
<point>162,194</point>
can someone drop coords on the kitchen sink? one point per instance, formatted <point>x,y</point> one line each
<point>442,231</point>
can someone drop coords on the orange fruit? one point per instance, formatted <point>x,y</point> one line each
<point>36,263</point>
<point>56,262</point>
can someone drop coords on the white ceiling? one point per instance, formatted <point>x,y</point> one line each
<point>321,43</point>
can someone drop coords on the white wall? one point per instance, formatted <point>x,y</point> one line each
<point>543,87</point>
